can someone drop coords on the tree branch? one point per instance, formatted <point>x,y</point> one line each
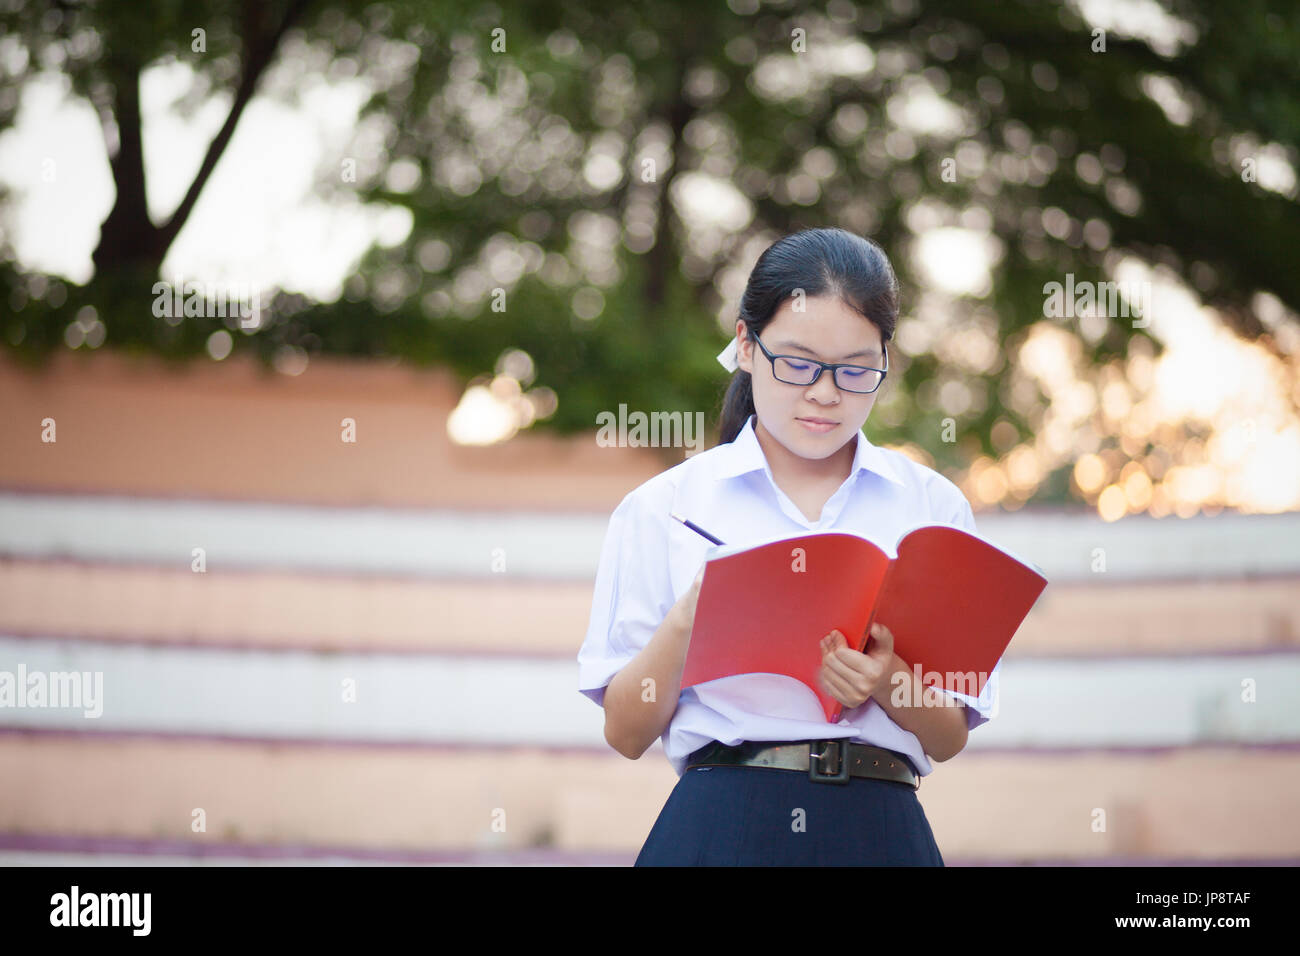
<point>258,54</point>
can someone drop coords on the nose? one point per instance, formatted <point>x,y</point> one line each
<point>824,390</point>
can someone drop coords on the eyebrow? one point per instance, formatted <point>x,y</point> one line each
<point>787,344</point>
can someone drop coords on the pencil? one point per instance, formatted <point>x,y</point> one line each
<point>694,527</point>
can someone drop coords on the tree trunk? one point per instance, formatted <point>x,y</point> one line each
<point>127,238</point>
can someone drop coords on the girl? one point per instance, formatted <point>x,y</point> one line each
<point>763,777</point>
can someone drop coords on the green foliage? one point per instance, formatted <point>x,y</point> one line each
<point>1044,108</point>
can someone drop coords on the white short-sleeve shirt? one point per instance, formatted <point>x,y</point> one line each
<point>649,560</point>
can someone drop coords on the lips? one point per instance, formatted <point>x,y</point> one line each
<point>818,426</point>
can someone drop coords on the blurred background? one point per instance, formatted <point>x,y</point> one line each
<point>308,311</point>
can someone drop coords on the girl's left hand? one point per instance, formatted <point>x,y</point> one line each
<point>850,676</point>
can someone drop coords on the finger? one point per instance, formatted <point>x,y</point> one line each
<point>850,675</point>
<point>859,661</point>
<point>843,691</point>
<point>835,690</point>
<point>882,645</point>
<point>836,687</point>
<point>847,663</point>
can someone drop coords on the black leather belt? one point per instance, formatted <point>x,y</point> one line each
<point>825,761</point>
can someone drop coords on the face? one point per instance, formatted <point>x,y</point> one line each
<point>827,330</point>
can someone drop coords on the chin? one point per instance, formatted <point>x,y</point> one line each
<point>810,445</point>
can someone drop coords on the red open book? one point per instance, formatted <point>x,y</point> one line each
<point>952,600</point>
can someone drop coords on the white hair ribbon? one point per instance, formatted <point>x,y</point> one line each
<point>727,357</point>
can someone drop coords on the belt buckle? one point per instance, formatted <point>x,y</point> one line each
<point>840,761</point>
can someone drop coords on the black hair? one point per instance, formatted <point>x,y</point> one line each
<point>831,262</point>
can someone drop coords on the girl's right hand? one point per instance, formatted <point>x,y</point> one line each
<point>684,609</point>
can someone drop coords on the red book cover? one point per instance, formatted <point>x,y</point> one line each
<point>952,600</point>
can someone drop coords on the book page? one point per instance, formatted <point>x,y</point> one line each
<point>766,608</point>
<point>953,602</point>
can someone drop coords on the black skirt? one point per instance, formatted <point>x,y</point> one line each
<point>764,816</point>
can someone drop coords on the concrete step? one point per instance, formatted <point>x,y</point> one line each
<point>505,614</point>
<point>1202,804</point>
<point>492,700</point>
<point>1070,548</point>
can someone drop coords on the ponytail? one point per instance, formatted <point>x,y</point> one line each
<point>737,406</point>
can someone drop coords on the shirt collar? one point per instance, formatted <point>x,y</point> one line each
<point>745,454</point>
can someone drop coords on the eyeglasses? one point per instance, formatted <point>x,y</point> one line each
<point>797,370</point>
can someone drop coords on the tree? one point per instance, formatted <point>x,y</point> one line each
<point>548,151</point>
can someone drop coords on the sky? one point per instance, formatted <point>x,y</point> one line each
<point>258,221</point>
